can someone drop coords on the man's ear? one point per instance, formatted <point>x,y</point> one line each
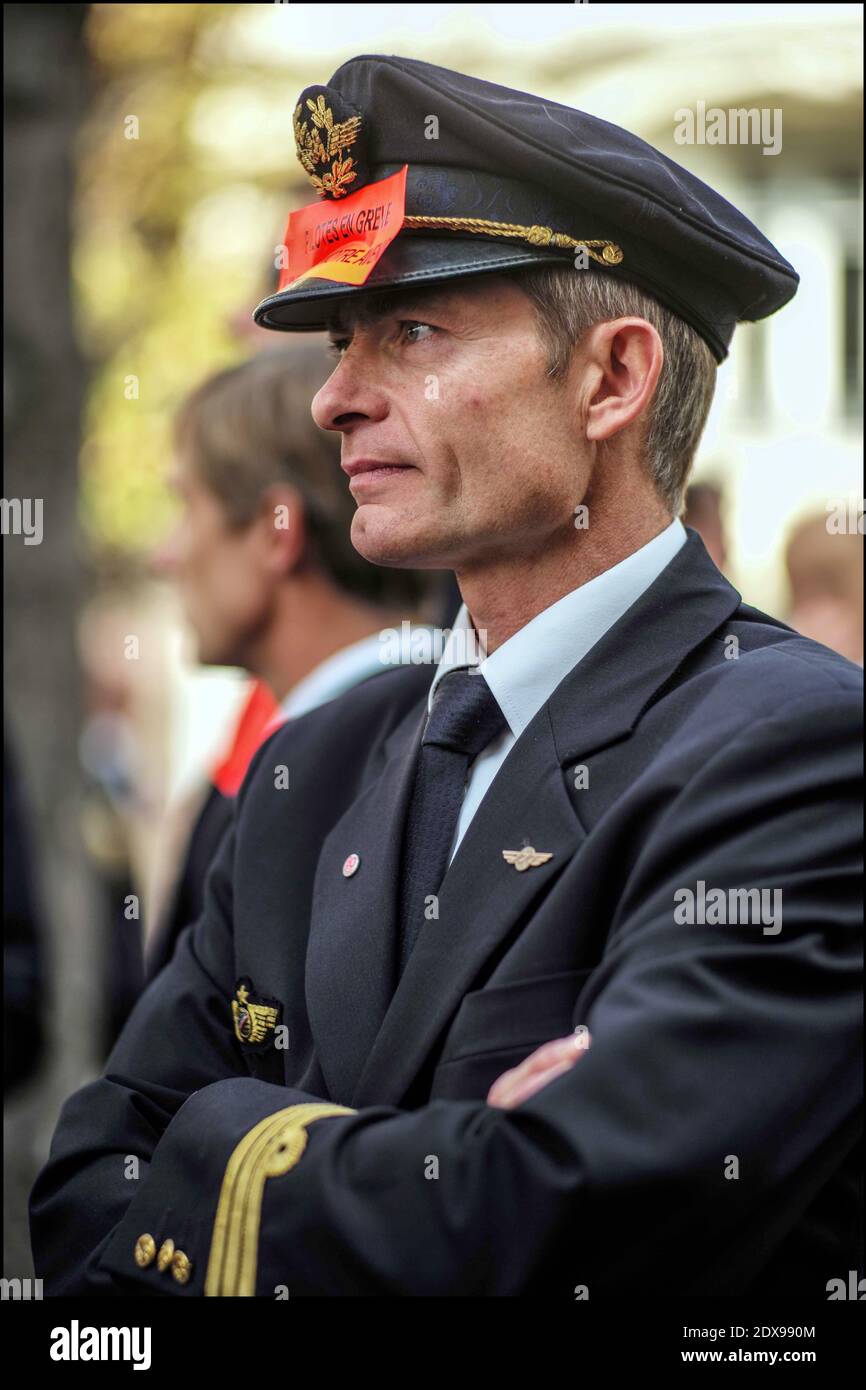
<point>625,359</point>
<point>282,526</point>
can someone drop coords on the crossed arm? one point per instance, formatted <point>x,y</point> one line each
<point>709,1043</point>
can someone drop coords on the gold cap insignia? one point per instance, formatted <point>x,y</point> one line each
<point>326,128</point>
<point>254,1016</point>
<point>527,858</point>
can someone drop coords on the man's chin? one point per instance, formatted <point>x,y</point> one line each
<point>386,540</point>
<point>215,654</point>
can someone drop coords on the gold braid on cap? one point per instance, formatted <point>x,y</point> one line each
<point>611,254</point>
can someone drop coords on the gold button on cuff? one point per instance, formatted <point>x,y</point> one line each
<point>145,1249</point>
<point>163,1259</point>
<point>181,1267</point>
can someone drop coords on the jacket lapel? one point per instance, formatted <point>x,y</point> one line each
<point>604,696</point>
<point>351,967</point>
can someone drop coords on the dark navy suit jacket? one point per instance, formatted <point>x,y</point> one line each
<point>707,1143</point>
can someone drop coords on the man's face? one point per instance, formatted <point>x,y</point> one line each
<point>451,385</point>
<point>225,586</point>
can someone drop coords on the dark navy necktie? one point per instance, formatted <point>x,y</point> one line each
<point>463,719</point>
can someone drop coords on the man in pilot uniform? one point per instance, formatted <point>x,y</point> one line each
<point>542,978</point>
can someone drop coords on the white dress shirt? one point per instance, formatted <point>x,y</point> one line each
<point>524,672</point>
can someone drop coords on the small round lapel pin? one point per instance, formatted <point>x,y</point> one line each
<point>351,865</point>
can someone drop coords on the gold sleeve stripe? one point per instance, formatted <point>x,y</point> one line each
<point>270,1149</point>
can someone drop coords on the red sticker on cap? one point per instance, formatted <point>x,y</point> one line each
<point>344,240</point>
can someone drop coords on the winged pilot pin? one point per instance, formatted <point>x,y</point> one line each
<point>526,858</point>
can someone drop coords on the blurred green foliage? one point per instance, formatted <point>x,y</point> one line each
<point>186,174</point>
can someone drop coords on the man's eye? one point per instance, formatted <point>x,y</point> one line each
<point>337,346</point>
<point>412,325</point>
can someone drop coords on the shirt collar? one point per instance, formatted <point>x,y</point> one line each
<point>524,672</point>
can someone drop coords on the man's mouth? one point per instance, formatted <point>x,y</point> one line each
<point>365,472</point>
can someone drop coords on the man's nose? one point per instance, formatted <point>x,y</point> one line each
<point>347,397</point>
<point>329,402</point>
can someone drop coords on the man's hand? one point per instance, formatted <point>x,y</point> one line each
<point>550,1060</point>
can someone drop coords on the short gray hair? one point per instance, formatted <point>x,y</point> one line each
<point>569,302</point>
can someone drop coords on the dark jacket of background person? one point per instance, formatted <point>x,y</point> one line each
<point>23,980</point>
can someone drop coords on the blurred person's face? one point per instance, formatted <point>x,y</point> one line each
<point>825,577</point>
<point>225,574</point>
<point>487,456</point>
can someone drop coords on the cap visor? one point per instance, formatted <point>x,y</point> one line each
<point>411,259</point>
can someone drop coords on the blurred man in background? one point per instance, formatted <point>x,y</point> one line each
<point>825,577</point>
<point>269,579</point>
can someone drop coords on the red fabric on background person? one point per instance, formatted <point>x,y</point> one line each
<point>258,718</point>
